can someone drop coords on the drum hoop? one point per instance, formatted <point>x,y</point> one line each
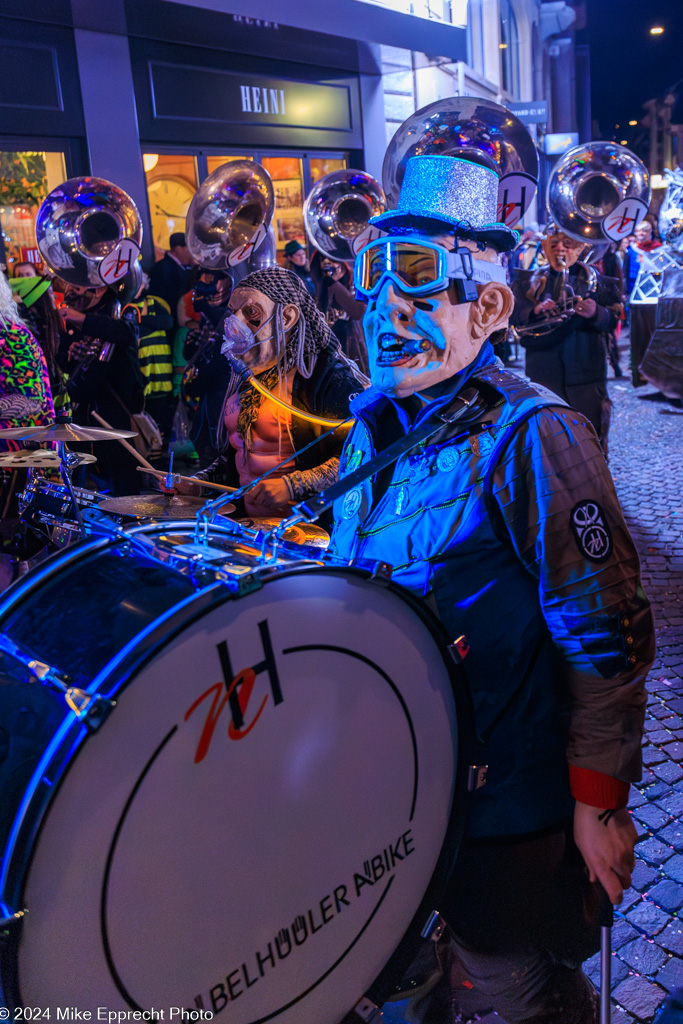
<point>27,823</point>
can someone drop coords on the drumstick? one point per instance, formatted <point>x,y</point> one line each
<point>188,479</point>
<point>121,440</point>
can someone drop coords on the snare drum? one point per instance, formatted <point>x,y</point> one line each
<point>44,501</point>
<point>225,785</point>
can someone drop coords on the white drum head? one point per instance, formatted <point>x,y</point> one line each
<point>267,868</point>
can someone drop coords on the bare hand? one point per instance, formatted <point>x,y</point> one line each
<point>547,306</point>
<point>586,308</point>
<point>185,487</point>
<point>606,848</point>
<point>73,315</point>
<point>274,494</point>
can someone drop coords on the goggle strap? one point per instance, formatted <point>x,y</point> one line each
<point>479,271</point>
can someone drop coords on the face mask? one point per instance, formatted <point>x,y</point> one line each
<point>238,338</point>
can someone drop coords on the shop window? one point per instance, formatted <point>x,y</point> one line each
<point>320,166</point>
<point>214,162</point>
<point>171,183</point>
<point>26,178</point>
<point>288,219</point>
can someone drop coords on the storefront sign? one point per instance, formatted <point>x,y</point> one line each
<point>559,142</point>
<point>534,112</point>
<point>212,94</point>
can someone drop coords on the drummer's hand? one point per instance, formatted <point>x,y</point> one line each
<point>166,490</point>
<point>273,494</point>
<point>185,487</point>
<point>607,849</point>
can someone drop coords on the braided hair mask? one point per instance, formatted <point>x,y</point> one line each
<point>309,336</point>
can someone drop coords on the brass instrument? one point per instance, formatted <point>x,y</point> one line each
<point>81,222</point>
<point>475,129</point>
<point>596,192</point>
<point>337,211</point>
<point>229,216</point>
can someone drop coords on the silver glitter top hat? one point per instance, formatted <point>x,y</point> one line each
<point>453,192</point>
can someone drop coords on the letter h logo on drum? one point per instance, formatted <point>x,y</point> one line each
<point>236,691</point>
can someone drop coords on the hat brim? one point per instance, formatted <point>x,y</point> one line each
<point>29,289</point>
<point>500,236</point>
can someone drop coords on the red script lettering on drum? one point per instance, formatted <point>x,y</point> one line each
<point>236,690</point>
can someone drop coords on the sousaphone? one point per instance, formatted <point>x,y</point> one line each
<point>89,232</point>
<point>337,211</point>
<point>229,216</point>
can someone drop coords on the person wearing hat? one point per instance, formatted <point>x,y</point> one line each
<point>33,294</point>
<point>297,262</point>
<point>507,524</point>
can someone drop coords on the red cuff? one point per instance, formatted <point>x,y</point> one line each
<point>596,789</point>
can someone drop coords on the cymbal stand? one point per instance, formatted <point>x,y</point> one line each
<point>66,469</point>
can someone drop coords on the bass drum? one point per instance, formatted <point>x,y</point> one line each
<point>252,825</point>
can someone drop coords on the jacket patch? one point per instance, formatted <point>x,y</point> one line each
<point>352,502</point>
<point>591,532</point>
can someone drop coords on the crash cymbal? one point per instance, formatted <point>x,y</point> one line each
<point>64,431</point>
<point>303,533</point>
<point>39,458</point>
<point>157,506</point>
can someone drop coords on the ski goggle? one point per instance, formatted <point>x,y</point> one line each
<point>417,267</point>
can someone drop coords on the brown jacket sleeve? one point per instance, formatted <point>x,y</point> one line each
<point>558,502</point>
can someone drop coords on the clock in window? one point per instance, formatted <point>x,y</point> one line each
<point>169,199</point>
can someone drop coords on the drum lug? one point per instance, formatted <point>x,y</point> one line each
<point>367,1011</point>
<point>459,649</point>
<point>10,923</point>
<point>434,927</point>
<point>89,708</point>
<point>476,776</point>
<point>248,584</point>
<point>381,573</point>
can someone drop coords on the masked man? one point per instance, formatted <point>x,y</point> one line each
<point>571,359</point>
<point>514,536</point>
<point>279,344</point>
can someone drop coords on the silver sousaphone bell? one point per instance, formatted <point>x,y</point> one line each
<point>474,129</point>
<point>337,211</point>
<point>89,232</point>
<point>597,194</point>
<point>229,216</point>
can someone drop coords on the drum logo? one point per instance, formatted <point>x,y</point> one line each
<point>235,691</point>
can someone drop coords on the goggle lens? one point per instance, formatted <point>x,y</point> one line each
<point>414,266</point>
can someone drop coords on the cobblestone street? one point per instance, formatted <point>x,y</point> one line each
<point>647,939</point>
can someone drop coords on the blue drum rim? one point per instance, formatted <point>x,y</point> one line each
<point>28,820</point>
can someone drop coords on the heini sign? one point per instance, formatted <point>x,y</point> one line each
<point>258,100</point>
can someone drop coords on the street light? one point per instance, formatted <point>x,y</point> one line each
<point>632,123</point>
<point>656,30</point>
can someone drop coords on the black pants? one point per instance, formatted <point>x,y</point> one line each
<point>523,917</point>
<point>642,329</point>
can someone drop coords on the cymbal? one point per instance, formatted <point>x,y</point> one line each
<point>64,430</point>
<point>156,506</point>
<point>39,458</point>
<point>302,533</point>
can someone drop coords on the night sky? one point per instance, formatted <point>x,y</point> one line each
<point>628,65</point>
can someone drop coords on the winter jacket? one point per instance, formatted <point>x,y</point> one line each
<point>516,537</point>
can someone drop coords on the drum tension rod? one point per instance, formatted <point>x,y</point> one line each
<point>90,708</point>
